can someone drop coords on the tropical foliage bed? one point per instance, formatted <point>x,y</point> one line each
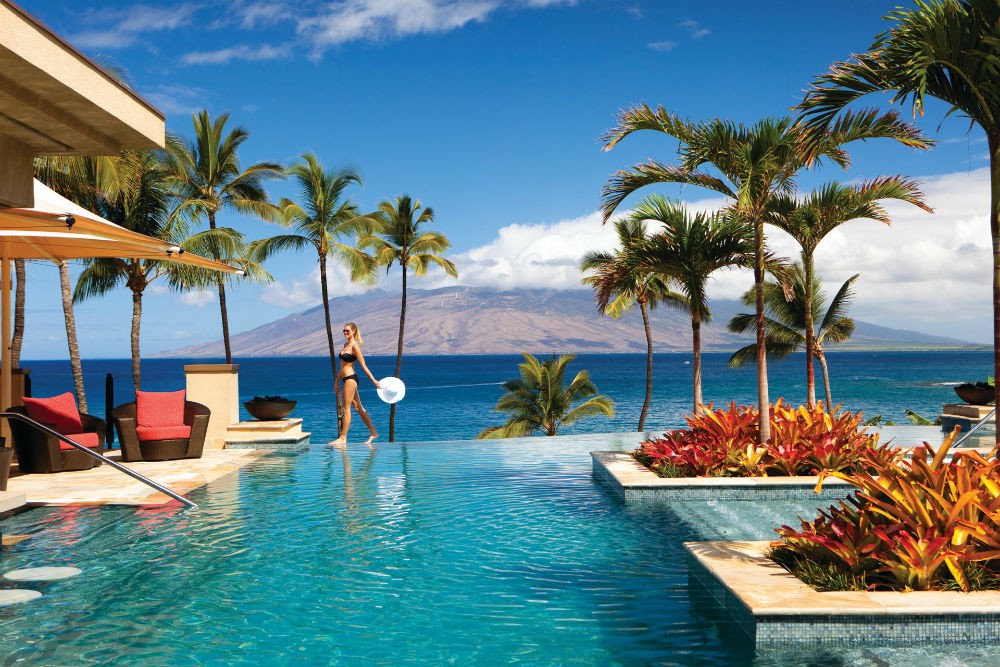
<point>804,441</point>
<point>923,523</point>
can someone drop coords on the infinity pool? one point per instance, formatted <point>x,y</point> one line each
<point>444,553</point>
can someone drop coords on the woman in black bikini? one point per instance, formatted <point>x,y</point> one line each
<point>348,356</point>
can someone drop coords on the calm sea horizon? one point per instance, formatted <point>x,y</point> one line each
<point>452,397</point>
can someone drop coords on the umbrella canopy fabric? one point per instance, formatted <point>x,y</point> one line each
<point>56,229</point>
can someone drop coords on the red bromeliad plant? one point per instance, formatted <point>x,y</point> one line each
<point>804,441</point>
<point>922,522</point>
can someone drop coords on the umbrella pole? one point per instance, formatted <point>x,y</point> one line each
<point>5,361</point>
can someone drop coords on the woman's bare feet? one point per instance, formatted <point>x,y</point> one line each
<point>339,442</point>
<point>373,436</point>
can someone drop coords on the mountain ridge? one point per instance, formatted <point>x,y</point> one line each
<point>481,320</point>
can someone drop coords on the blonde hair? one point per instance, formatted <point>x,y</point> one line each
<point>357,332</point>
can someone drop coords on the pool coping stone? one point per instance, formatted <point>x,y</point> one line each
<point>772,606</point>
<point>630,480</point>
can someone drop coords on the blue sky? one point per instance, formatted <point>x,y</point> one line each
<point>489,111</point>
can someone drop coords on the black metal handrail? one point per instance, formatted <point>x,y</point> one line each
<point>103,459</point>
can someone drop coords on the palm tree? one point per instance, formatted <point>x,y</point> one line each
<point>142,205</point>
<point>81,180</point>
<point>539,400</point>
<point>687,251</point>
<point>324,220</point>
<point>620,282</point>
<point>948,49</point>
<point>207,178</point>
<point>17,337</point>
<point>401,240</point>
<point>752,165</point>
<point>787,327</point>
<point>825,209</point>
<point>74,348</point>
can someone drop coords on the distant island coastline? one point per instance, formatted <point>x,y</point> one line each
<point>480,320</point>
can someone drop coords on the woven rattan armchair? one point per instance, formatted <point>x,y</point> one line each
<point>39,452</point>
<point>133,449</point>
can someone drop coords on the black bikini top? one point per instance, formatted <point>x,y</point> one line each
<point>348,357</point>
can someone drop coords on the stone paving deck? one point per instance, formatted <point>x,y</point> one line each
<point>104,485</point>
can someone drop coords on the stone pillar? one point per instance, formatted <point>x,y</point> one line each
<point>216,386</point>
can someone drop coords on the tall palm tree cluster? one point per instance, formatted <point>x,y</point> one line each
<point>949,49</point>
<point>170,193</point>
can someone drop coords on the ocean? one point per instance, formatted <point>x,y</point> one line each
<point>453,397</point>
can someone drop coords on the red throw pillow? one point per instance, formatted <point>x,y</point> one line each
<point>59,412</point>
<point>159,408</point>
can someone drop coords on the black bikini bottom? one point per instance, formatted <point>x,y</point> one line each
<point>351,377</point>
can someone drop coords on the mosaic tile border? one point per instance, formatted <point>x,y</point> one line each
<point>633,482</point>
<point>773,608</point>
<point>276,445</point>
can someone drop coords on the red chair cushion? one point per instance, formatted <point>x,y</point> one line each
<point>159,408</point>
<point>59,412</point>
<point>90,440</point>
<point>145,433</point>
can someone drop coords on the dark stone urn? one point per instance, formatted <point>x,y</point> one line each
<point>975,395</point>
<point>269,409</point>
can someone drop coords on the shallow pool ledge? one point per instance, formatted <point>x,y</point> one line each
<point>773,607</point>
<point>631,480</point>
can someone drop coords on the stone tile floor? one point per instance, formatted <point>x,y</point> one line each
<point>104,485</point>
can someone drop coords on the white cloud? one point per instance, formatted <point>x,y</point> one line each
<point>254,14</point>
<point>662,47</point>
<point>532,255</point>
<point>176,99</point>
<point>346,21</point>
<point>695,30</point>
<point>120,28</point>
<point>243,52</point>
<point>305,291</point>
<point>927,272</point>
<point>199,298</point>
<point>351,20</point>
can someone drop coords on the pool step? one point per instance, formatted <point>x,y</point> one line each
<point>277,434</point>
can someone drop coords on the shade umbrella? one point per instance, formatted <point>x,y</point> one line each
<point>56,229</point>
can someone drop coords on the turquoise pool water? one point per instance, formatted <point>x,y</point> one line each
<point>444,553</point>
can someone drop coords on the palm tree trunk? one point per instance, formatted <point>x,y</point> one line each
<point>644,308</point>
<point>74,349</point>
<point>220,282</point>
<point>994,143</point>
<point>329,339</point>
<point>326,312</point>
<point>810,336</point>
<point>136,320</point>
<point>17,339</point>
<point>826,377</point>
<point>696,361</point>
<point>763,401</point>
<point>225,320</point>
<point>399,351</point>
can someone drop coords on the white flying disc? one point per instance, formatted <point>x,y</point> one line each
<point>391,389</point>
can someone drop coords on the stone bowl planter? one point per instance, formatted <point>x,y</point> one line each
<point>975,395</point>
<point>269,410</point>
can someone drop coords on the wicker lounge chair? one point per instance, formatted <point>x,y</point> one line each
<point>162,442</point>
<point>39,452</point>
